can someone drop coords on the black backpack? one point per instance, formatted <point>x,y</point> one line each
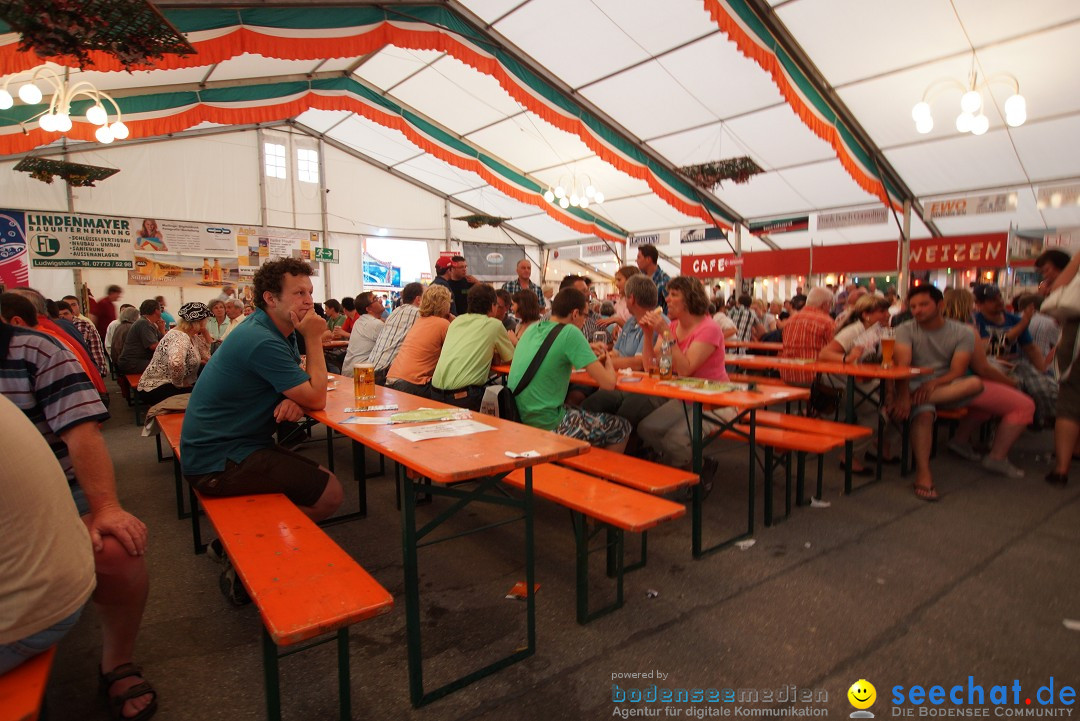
<point>508,410</point>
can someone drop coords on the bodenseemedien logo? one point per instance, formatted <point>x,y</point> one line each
<point>862,695</point>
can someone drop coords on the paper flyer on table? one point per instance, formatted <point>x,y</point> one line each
<point>441,430</point>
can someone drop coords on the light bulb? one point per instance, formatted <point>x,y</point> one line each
<point>964,122</point>
<point>599,197</point>
<point>584,203</point>
<point>119,130</point>
<point>574,199</point>
<point>560,191</point>
<point>970,101</point>
<point>1015,120</point>
<point>1015,110</point>
<point>924,125</point>
<point>6,101</point>
<point>920,111</point>
<point>63,122</point>
<point>47,122</point>
<point>549,195</point>
<point>97,115</point>
<point>30,94</point>
<point>590,191</point>
<point>104,135</point>
<point>980,124</point>
<point>564,202</point>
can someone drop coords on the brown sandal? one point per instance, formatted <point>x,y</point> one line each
<point>116,703</point>
<point>925,493</point>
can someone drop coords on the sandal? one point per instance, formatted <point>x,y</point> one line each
<point>116,703</point>
<point>925,493</point>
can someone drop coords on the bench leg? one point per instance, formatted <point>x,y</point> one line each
<point>820,473</point>
<point>178,482</point>
<point>768,474</point>
<point>581,543</point>
<point>271,680</point>
<point>800,481</point>
<point>627,567</point>
<point>330,448</point>
<point>344,677</point>
<point>196,529</point>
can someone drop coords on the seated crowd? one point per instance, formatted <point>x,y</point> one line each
<point>245,372</point>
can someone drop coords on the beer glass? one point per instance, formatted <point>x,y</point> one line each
<point>364,382</point>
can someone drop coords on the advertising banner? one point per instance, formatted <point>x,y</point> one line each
<point>846,219</point>
<point>780,225</point>
<point>636,241</point>
<point>972,205</point>
<point>14,261</point>
<point>173,236</point>
<point>68,240</point>
<point>697,235</point>
<point>492,262</point>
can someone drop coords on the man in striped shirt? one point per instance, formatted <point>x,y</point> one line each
<point>395,329</point>
<point>806,334</point>
<point>47,383</point>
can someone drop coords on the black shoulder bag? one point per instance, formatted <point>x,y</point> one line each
<point>507,405</point>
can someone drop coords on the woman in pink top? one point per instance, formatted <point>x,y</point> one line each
<point>414,364</point>
<point>697,351</point>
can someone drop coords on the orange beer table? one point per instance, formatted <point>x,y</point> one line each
<point>851,371</point>
<point>744,402</point>
<point>754,345</point>
<point>480,457</point>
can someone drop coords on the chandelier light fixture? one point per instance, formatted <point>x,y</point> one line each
<point>972,118</point>
<point>574,190</point>
<point>57,117</point>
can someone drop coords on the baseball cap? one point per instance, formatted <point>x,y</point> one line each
<point>986,292</point>
<point>443,263</point>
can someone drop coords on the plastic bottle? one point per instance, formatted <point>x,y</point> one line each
<point>665,357</point>
<point>215,276</point>
<point>206,270</point>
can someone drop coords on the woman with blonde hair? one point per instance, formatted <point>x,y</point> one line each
<point>415,363</point>
<point>999,398</point>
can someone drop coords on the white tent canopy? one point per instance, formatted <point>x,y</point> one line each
<point>669,80</point>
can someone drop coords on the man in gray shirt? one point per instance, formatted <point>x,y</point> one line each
<point>142,339</point>
<point>928,340</point>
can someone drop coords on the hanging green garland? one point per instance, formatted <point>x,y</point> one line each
<point>478,219</point>
<point>709,175</point>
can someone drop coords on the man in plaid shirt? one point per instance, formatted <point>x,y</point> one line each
<point>524,282</point>
<point>747,325</point>
<point>806,334</point>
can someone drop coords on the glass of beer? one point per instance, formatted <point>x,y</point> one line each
<point>364,382</point>
<point>888,342</point>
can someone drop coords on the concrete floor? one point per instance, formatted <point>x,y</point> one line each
<point>878,585</point>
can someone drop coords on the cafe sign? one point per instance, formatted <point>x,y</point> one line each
<point>708,266</point>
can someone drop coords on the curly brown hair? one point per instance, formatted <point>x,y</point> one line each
<point>693,292</point>
<point>269,277</point>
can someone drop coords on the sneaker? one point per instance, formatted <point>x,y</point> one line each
<point>232,587</point>
<point>216,552</point>
<point>965,451</point>
<point>1002,468</point>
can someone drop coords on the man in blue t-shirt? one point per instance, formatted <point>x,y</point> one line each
<point>1011,342</point>
<point>252,383</point>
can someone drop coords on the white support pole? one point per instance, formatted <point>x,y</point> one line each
<point>324,216</point>
<point>738,254</point>
<point>905,253</point>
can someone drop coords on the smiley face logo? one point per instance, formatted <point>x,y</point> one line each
<point>862,694</point>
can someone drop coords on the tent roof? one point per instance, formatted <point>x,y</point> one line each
<point>624,94</point>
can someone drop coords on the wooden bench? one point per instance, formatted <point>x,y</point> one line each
<point>133,381</point>
<point>636,473</point>
<point>169,425</point>
<point>303,583</point>
<point>22,689</point>
<point>850,433</point>
<point>617,509</point>
<point>787,442</point>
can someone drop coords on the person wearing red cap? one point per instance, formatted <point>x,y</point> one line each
<point>443,267</point>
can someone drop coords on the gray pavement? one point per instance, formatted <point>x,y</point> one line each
<point>878,585</point>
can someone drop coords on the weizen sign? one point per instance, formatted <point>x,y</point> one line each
<point>959,252</point>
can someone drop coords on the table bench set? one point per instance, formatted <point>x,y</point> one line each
<point>306,586</point>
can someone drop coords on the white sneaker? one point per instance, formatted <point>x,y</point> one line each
<point>1002,468</point>
<point>965,451</point>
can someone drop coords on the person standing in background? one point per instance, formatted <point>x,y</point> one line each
<point>104,311</point>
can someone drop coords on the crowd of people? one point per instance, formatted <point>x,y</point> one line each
<point>245,372</point>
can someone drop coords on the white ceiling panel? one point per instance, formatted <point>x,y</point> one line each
<point>546,228</point>
<point>527,142</point>
<point>988,21</point>
<point>257,66</point>
<point>1047,93</point>
<point>491,10</point>
<point>655,31</point>
<point>648,101</point>
<point>766,194</point>
<point>140,78</point>
<point>1043,154</point>
<point>456,95</point>
<point>958,163</point>
<point>700,145</point>
<point>643,213</point>
<point>322,120</point>
<point>442,176</point>
<point>850,39</point>
<point>383,144</point>
<point>391,65</point>
<point>572,39</point>
<point>495,202</point>
<point>777,138</point>
<point>826,185</point>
